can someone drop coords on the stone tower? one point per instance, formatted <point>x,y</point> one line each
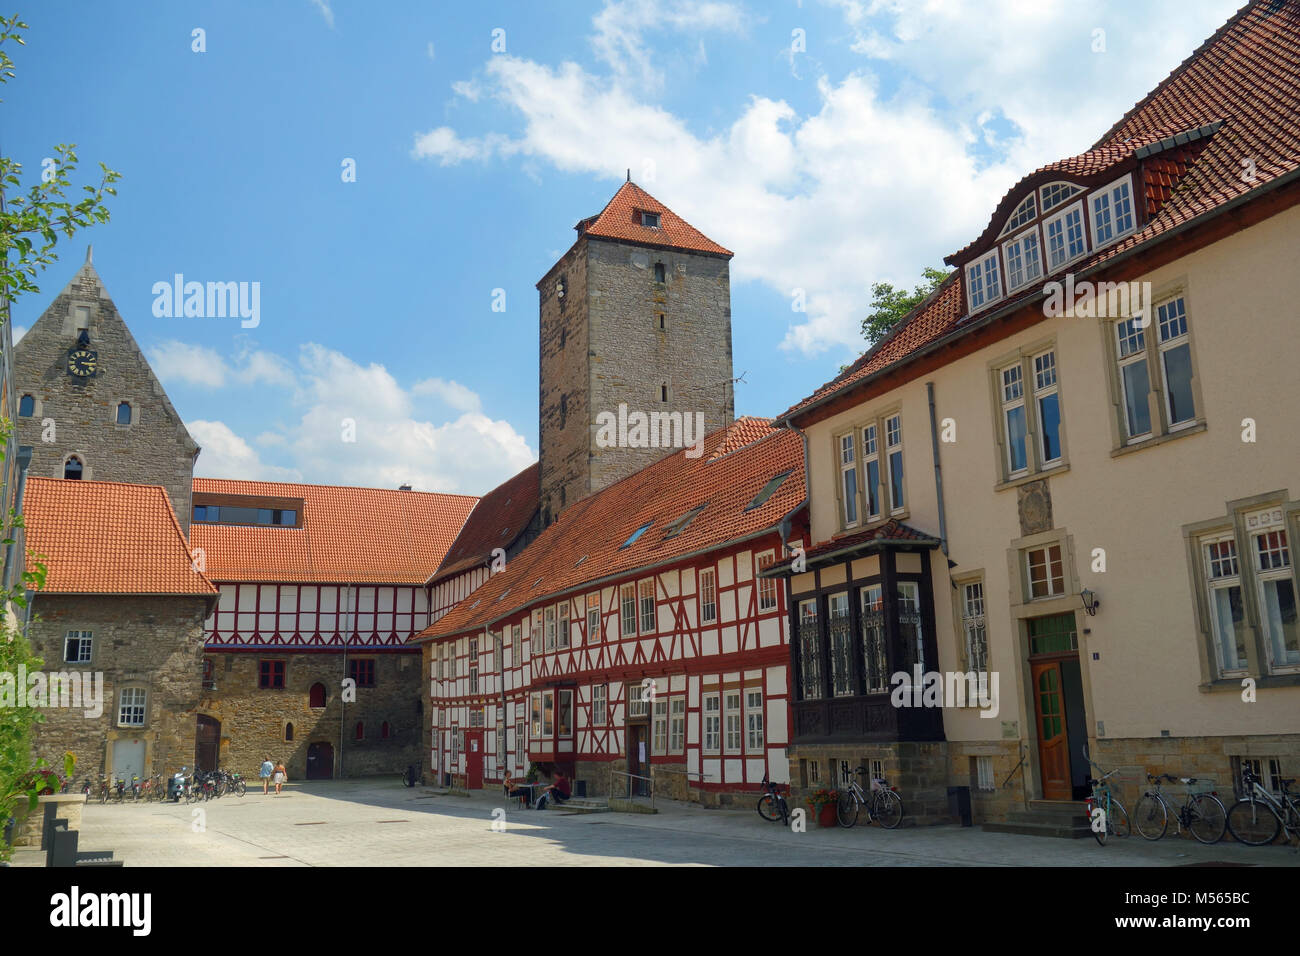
<point>90,406</point>
<point>635,320</point>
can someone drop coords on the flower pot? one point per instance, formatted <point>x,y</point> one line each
<point>826,815</point>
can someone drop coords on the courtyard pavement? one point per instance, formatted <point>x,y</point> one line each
<point>378,822</point>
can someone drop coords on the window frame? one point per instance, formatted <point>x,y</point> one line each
<point>1276,525</point>
<point>1027,563</point>
<point>893,448</point>
<point>647,607</point>
<point>711,575</point>
<point>677,724</point>
<point>626,618</point>
<point>267,669</point>
<point>1019,244</point>
<point>1027,359</point>
<point>1107,193</point>
<point>594,610</point>
<point>711,722</point>
<point>755,724</point>
<point>599,696</point>
<point>85,646</point>
<point>126,697</point>
<point>1050,266</point>
<point>767,594</point>
<point>977,270</point>
<point>733,721</point>
<point>846,452</point>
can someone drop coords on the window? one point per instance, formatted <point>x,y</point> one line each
<point>565,716</point>
<point>1023,262</point>
<point>124,413</point>
<point>875,662</point>
<point>647,591</point>
<point>734,721</point>
<point>1065,238</point>
<point>362,670</point>
<point>536,708</point>
<point>910,633</point>
<point>753,720</point>
<point>498,659</point>
<point>593,617</point>
<point>1054,194</point>
<point>1046,572</point>
<point>663,393</point>
<point>72,469</point>
<point>634,535</point>
<point>1112,213</point>
<point>662,321</point>
<point>548,713</point>
<point>660,273</point>
<point>983,773</point>
<point>810,651</point>
<point>708,596</point>
<point>501,746</point>
<point>638,695</point>
<point>712,723</point>
<point>1135,381</point>
<point>550,628</point>
<point>1277,595</point>
<point>894,451</point>
<point>316,696</point>
<point>659,736</point>
<point>871,470</point>
<point>975,644</point>
<point>766,586</point>
<point>1176,362</point>
<point>1267,770</point>
<point>26,406</point>
<point>360,731</point>
<point>676,724</point>
<point>473,676</point>
<point>1047,401</point>
<point>457,744</point>
<point>767,491</point>
<point>1025,212</point>
<point>680,525</point>
<point>983,284</point>
<point>131,707</point>
<point>1054,634</point>
<point>848,480</point>
<point>76,647</point>
<point>1013,418</point>
<point>651,221</point>
<point>521,744</point>
<point>599,705</point>
<point>209,674</point>
<point>516,642</point>
<point>288,732</point>
<point>841,635</point>
<point>227,514</point>
<point>270,675</point>
<point>627,609</point>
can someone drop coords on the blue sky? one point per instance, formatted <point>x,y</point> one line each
<point>828,144</point>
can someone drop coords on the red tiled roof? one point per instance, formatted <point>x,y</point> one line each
<point>497,521</point>
<point>892,531</point>
<point>1243,83</point>
<point>743,431</point>
<point>348,535</point>
<point>621,219</point>
<point>106,537</point>
<point>584,543</point>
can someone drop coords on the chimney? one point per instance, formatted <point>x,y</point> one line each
<point>403,487</point>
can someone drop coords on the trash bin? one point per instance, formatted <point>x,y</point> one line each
<point>959,804</point>
<point>580,789</point>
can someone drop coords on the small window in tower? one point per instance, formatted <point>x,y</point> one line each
<point>72,468</point>
<point>662,320</point>
<point>288,732</point>
<point>663,393</point>
<point>650,220</point>
<point>124,413</point>
<point>361,731</point>
<point>26,406</point>
<point>661,274</point>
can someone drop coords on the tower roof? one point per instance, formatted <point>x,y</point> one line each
<point>621,219</point>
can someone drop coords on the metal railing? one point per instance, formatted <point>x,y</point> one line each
<point>649,782</point>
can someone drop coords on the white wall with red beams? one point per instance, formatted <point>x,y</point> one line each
<point>317,615</point>
<point>746,648</point>
<point>447,594</point>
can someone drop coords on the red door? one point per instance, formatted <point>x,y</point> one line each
<point>474,759</point>
<point>1053,742</point>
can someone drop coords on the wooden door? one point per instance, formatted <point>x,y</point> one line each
<point>1053,740</point>
<point>207,743</point>
<point>474,759</point>
<point>636,759</point>
<point>320,760</point>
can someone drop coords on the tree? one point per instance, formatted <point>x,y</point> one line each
<point>890,305</point>
<point>30,226</point>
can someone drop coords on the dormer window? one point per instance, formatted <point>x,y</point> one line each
<point>1024,264</point>
<point>983,281</point>
<point>1065,236</point>
<point>1112,213</point>
<point>1053,194</point>
<point>1025,212</point>
<point>650,220</point>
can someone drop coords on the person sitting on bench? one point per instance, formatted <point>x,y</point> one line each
<point>522,793</point>
<point>558,791</point>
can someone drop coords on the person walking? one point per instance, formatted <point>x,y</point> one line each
<point>279,776</point>
<point>268,768</point>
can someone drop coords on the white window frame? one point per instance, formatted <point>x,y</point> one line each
<point>659,727</point>
<point>1223,573</point>
<point>85,647</point>
<point>708,596</point>
<point>1063,218</point>
<point>1121,190</point>
<point>133,707</point>
<point>1046,384</point>
<point>1272,531</point>
<point>1011,392</point>
<point>754,737</point>
<point>1029,256</point>
<point>1044,206</point>
<point>550,627</point>
<point>627,610</point>
<point>647,605</point>
<point>563,631</point>
<point>1046,551</point>
<point>766,586</point>
<point>1181,339</point>
<point>848,458</point>
<point>676,724</point>
<point>894,446</point>
<point>711,722</point>
<point>974,626</point>
<point>871,456</point>
<point>599,705</point>
<point>977,285</point>
<point>733,723</point>
<point>1021,215</point>
<point>593,617</point>
<point>1127,331</point>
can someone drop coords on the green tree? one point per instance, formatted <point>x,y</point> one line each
<point>890,305</point>
<point>30,225</point>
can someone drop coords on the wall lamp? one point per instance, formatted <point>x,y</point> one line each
<point>1090,602</point>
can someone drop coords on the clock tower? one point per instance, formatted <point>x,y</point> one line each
<point>89,405</point>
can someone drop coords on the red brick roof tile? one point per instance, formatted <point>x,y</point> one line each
<point>107,537</point>
<point>348,535</point>
<point>497,521</point>
<point>621,219</point>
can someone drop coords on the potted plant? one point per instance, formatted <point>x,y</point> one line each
<point>823,803</point>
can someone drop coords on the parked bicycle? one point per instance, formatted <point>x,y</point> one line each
<point>1202,813</point>
<point>772,805</point>
<point>1106,815</point>
<point>1257,817</point>
<point>882,803</point>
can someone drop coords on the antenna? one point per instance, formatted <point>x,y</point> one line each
<point>629,174</point>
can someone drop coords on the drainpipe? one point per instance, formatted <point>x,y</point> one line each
<point>347,634</point>
<point>938,473</point>
<point>24,462</point>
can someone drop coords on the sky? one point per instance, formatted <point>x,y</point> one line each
<point>396,177</point>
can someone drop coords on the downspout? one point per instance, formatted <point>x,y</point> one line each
<point>347,635</point>
<point>24,462</point>
<point>938,472</point>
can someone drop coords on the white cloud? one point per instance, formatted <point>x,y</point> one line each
<point>453,393</point>
<point>174,361</point>
<point>620,28</point>
<point>226,455</point>
<point>18,331</point>
<point>865,186</point>
<point>325,11</point>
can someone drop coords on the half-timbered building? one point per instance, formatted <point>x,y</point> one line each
<point>633,640</point>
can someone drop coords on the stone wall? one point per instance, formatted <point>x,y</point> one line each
<point>1207,758</point>
<point>918,770</point>
<point>155,449</point>
<point>564,394</point>
<point>1009,792</point>
<point>151,642</point>
<point>254,720</point>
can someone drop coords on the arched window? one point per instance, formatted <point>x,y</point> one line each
<point>660,273</point>
<point>72,468</point>
<point>316,696</point>
<point>26,406</point>
<point>124,413</point>
<point>384,733</point>
<point>361,731</point>
<point>288,732</point>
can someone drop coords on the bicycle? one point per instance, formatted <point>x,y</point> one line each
<point>1202,814</point>
<point>1106,815</point>
<point>884,805</point>
<point>772,805</point>
<point>1257,818</point>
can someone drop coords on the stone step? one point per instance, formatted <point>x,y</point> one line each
<point>579,805</point>
<point>1041,828</point>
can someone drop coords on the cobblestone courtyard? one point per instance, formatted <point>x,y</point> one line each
<point>379,822</point>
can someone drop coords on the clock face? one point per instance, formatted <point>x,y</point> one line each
<point>83,363</point>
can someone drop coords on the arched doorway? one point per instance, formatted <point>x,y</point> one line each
<point>207,743</point>
<point>320,760</point>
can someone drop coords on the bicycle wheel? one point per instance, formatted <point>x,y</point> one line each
<point>768,808</point>
<point>785,810</point>
<point>1151,816</point>
<point>1208,818</point>
<point>846,809</point>
<point>889,809</point>
<point>1253,823</point>
<point>1118,821</point>
<point>241,788</point>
